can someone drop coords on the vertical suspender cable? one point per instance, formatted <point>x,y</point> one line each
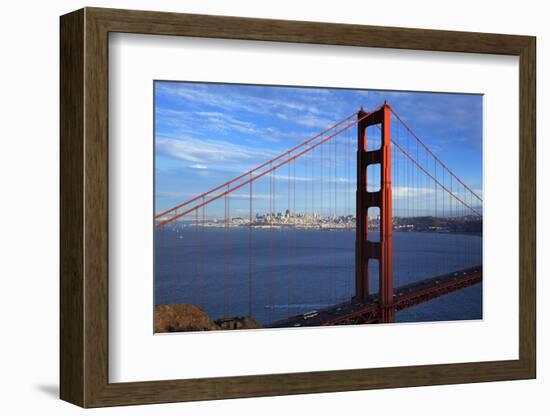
<point>174,241</point>
<point>250,251</point>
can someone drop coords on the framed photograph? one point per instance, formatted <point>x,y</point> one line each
<point>255,207</point>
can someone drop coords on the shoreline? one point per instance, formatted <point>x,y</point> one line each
<point>302,227</point>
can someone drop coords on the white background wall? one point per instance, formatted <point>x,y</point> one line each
<point>29,159</point>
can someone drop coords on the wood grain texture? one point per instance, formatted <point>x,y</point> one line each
<point>71,213</point>
<point>96,208</point>
<point>527,207</point>
<point>84,205</point>
<point>225,27</point>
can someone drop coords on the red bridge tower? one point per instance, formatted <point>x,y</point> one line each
<point>366,250</point>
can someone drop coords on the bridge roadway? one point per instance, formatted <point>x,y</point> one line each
<point>407,296</point>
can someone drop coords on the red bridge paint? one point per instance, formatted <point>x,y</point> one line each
<point>367,250</point>
<point>369,311</point>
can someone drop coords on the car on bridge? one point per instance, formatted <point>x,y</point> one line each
<point>311,314</point>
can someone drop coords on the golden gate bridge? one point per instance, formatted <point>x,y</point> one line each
<point>400,186</point>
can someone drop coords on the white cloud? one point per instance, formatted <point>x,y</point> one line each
<point>201,123</point>
<point>255,196</point>
<point>199,166</point>
<point>319,123</point>
<point>201,94</point>
<point>299,110</point>
<point>203,153</point>
<point>410,192</point>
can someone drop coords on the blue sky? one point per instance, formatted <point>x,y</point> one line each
<point>206,134</point>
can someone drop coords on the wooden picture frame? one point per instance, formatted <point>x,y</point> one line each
<point>84,207</point>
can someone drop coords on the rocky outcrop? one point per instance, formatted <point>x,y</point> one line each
<point>182,317</point>
<point>189,317</point>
